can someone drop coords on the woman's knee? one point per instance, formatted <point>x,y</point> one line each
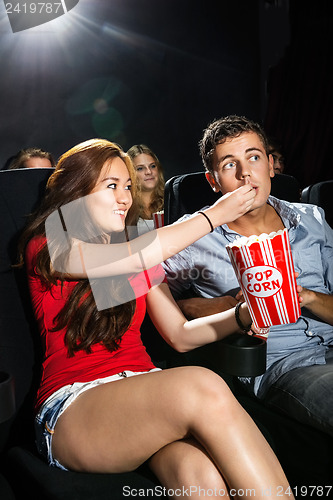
<point>185,463</point>
<point>202,389</point>
<point>195,470</point>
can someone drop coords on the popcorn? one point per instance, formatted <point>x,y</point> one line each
<point>265,271</point>
<point>158,219</point>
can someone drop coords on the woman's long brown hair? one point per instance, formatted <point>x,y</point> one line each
<point>74,177</point>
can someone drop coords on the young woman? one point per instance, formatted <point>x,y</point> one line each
<point>102,406</point>
<point>150,184</point>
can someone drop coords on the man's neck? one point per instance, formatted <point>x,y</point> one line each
<point>262,220</point>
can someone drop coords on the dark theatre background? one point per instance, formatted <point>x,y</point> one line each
<point>157,71</point>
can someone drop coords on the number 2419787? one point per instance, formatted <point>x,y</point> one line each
<point>33,8</point>
<point>306,491</point>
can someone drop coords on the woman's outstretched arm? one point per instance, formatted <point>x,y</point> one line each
<point>98,260</point>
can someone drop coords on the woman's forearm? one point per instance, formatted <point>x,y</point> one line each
<point>185,335</point>
<point>204,330</point>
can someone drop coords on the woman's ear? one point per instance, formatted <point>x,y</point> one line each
<point>211,179</point>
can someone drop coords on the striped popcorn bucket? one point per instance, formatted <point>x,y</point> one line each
<point>265,272</point>
<point>158,219</point>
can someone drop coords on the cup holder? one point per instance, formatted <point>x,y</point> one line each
<point>242,355</point>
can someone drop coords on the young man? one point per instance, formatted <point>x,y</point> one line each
<point>299,376</point>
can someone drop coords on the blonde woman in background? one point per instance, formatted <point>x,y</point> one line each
<point>150,184</point>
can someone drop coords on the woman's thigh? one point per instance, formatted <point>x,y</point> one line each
<point>115,427</point>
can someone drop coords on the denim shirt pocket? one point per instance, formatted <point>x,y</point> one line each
<point>308,263</point>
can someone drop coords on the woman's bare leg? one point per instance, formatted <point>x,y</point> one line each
<point>117,426</point>
<point>185,468</point>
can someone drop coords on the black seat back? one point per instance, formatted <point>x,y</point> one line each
<point>184,194</point>
<point>20,192</point>
<point>320,194</point>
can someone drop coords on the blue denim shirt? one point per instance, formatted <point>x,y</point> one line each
<point>205,268</point>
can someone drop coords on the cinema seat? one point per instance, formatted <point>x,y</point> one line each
<point>186,193</point>
<point>320,194</point>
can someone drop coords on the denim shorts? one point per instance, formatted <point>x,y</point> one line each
<point>56,404</point>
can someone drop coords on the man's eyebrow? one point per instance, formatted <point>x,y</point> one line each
<point>225,157</point>
<point>248,150</point>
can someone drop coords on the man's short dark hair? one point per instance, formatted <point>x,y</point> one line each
<point>224,128</point>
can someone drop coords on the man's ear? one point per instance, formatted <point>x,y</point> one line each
<point>271,165</point>
<point>211,179</point>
